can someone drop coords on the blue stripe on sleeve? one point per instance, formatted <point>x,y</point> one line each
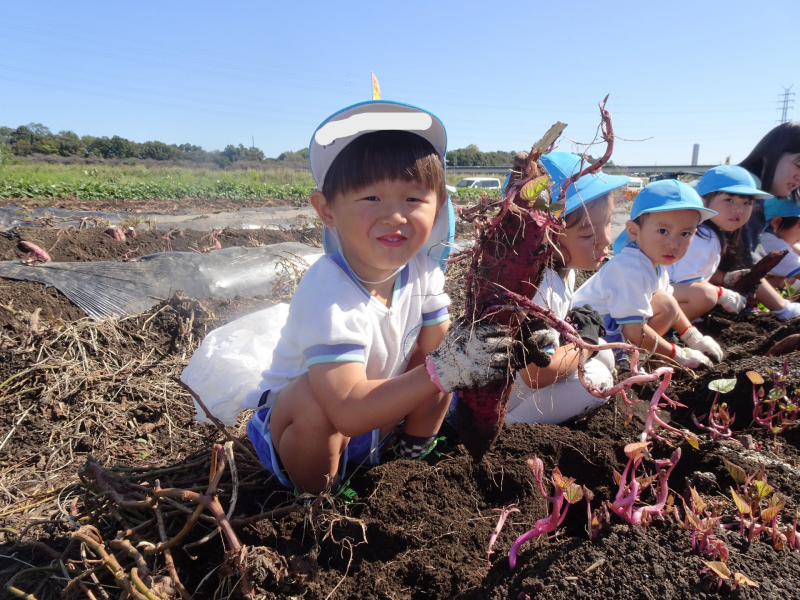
<point>794,273</point>
<point>629,320</point>
<point>325,353</point>
<point>695,280</point>
<point>436,316</point>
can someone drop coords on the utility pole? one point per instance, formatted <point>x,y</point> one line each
<point>784,104</point>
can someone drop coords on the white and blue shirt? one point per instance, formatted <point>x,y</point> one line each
<point>789,267</point>
<point>333,318</point>
<point>701,260</point>
<point>623,287</point>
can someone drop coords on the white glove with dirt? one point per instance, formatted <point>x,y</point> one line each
<point>732,302</point>
<point>731,277</point>
<point>686,357</point>
<point>471,355</point>
<point>705,344</point>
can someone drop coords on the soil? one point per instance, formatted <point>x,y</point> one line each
<point>71,388</point>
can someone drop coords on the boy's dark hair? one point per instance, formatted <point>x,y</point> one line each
<point>787,223</point>
<point>762,160</point>
<point>381,155</point>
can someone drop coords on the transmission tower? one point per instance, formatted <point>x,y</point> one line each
<point>785,103</point>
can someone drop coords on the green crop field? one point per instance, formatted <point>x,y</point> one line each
<point>137,182</point>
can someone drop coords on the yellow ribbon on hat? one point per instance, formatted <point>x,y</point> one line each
<point>376,89</point>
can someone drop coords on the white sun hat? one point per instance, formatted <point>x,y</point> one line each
<point>344,126</point>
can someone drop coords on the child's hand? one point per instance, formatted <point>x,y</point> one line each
<point>538,344</point>
<point>731,277</point>
<point>686,357</point>
<point>537,348</point>
<point>731,301</point>
<point>471,355</point>
<point>705,344</point>
<point>587,323</point>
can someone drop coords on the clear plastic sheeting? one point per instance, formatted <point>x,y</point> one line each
<point>249,218</point>
<point>102,289</point>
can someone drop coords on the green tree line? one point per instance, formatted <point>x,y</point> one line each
<point>35,138</point>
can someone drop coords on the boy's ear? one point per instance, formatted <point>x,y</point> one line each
<point>774,223</point>
<point>632,229</point>
<point>323,208</point>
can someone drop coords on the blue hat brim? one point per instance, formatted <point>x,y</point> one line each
<point>600,185</point>
<point>780,208</point>
<point>705,213</point>
<point>743,190</point>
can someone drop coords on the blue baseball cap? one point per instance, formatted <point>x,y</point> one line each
<point>730,179</point>
<point>562,165</point>
<point>663,196</point>
<point>780,207</point>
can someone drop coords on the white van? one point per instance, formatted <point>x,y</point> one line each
<point>479,182</point>
<point>635,185</point>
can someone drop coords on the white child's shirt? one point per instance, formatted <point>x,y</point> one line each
<point>555,293</point>
<point>789,267</point>
<point>624,287</point>
<point>701,260</point>
<point>333,318</point>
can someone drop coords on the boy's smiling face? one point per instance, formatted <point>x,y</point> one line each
<point>381,226</point>
<point>664,237</point>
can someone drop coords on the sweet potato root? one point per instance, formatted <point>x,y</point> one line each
<point>34,250</point>
<point>510,256</point>
<point>785,346</point>
<point>116,233</point>
<point>747,283</point>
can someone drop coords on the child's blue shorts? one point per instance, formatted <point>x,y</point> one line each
<point>362,449</point>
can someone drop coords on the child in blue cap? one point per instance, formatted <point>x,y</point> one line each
<point>364,348</point>
<point>782,233</point>
<point>554,394</point>
<point>632,291</point>
<point>698,283</point>
<point>730,191</point>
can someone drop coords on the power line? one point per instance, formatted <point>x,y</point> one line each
<point>783,105</point>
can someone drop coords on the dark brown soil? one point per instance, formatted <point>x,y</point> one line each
<point>416,530</point>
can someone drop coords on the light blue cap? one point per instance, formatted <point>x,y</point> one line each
<point>663,196</point>
<point>562,165</point>
<point>780,207</point>
<point>730,179</point>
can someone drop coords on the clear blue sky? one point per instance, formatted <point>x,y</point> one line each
<point>497,73</point>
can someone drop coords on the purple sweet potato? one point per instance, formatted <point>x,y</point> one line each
<point>511,254</point>
<point>35,251</point>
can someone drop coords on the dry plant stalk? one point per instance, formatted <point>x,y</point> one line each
<point>145,513</point>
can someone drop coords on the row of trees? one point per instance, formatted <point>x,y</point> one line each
<point>35,138</point>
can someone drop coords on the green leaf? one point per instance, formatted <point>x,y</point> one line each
<point>723,386</point>
<point>532,189</point>
<point>741,504</point>
<point>763,489</point>
<point>573,493</point>
<point>738,473</point>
